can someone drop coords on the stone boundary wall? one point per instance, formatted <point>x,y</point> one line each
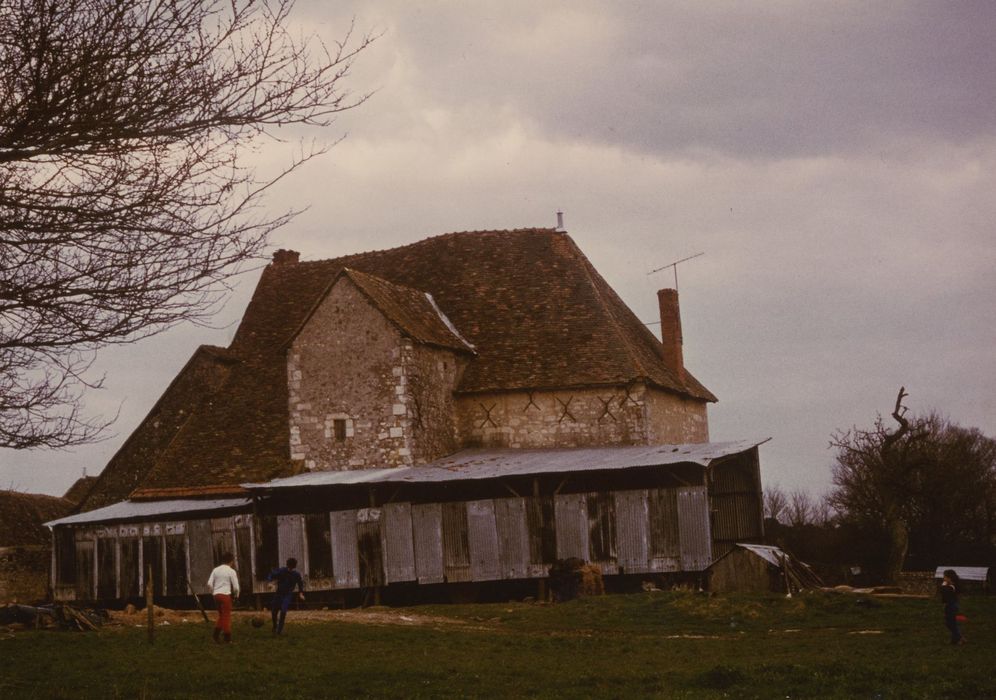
<point>24,574</point>
<point>918,582</point>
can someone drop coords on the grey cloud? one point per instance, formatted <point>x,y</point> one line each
<point>758,79</point>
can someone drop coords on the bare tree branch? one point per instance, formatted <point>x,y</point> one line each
<point>125,199</point>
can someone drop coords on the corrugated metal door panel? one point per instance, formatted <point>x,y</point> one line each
<point>371,546</point>
<point>201,554</point>
<point>572,526</point>
<point>243,559</point>
<point>85,568</point>
<point>482,537</point>
<point>128,568</point>
<point>456,545</point>
<point>631,531</point>
<point>399,549</point>
<point>513,537</point>
<point>345,553</point>
<point>175,579</point>
<point>693,528</point>
<point>662,530</point>
<point>107,569</point>
<point>427,526</point>
<point>290,537</point>
<point>601,510</point>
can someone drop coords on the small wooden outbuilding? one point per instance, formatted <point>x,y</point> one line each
<point>758,568</point>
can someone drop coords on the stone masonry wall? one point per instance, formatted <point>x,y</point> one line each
<point>579,418</point>
<point>24,574</point>
<point>431,374</point>
<point>347,364</point>
<point>673,419</point>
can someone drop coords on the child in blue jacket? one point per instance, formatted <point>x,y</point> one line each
<point>287,579</point>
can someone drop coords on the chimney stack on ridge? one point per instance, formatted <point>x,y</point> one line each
<point>671,332</point>
<point>286,257</point>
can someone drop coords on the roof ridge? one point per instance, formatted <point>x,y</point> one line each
<point>422,241</point>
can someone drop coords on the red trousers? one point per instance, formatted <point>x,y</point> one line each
<point>224,605</point>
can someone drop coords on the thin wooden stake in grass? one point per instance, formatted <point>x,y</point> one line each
<point>149,606</point>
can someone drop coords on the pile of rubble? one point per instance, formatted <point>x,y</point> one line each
<point>55,616</point>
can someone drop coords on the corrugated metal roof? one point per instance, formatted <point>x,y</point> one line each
<point>135,510</point>
<point>770,554</point>
<point>496,463</point>
<point>965,573</point>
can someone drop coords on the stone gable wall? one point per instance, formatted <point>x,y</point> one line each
<point>347,363</point>
<point>350,363</point>
<point>579,418</point>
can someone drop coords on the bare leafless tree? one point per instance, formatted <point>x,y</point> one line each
<point>821,511</point>
<point>799,510</point>
<point>775,502</point>
<point>126,200</point>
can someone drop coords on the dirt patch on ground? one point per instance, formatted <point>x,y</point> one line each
<point>365,616</point>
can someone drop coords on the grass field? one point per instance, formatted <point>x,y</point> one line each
<point>820,645</point>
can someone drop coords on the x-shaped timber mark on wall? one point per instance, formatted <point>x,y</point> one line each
<point>606,408</point>
<point>628,398</point>
<point>566,412</point>
<point>531,402</point>
<point>487,415</point>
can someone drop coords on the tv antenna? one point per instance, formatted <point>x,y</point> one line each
<point>674,266</point>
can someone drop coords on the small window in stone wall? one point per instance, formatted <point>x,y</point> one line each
<point>339,429</point>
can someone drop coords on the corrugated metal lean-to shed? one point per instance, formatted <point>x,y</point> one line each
<point>478,516</point>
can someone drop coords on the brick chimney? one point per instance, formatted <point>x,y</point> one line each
<point>286,257</point>
<point>671,332</point>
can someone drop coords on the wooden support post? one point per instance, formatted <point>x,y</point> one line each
<point>149,607</point>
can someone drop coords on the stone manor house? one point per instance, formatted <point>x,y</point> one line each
<point>467,408</point>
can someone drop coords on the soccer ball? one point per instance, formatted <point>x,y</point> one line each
<point>257,621</point>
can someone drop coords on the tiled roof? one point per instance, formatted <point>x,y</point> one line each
<point>413,311</point>
<point>535,310</point>
<point>22,516</point>
<point>204,374</point>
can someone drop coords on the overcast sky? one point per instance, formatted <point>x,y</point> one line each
<point>835,162</point>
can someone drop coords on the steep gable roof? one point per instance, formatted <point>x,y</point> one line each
<point>203,374</point>
<point>537,313</point>
<point>412,311</point>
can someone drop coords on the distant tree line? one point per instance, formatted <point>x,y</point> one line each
<point>912,496</point>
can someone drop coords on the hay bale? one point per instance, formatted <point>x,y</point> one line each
<point>592,582</point>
